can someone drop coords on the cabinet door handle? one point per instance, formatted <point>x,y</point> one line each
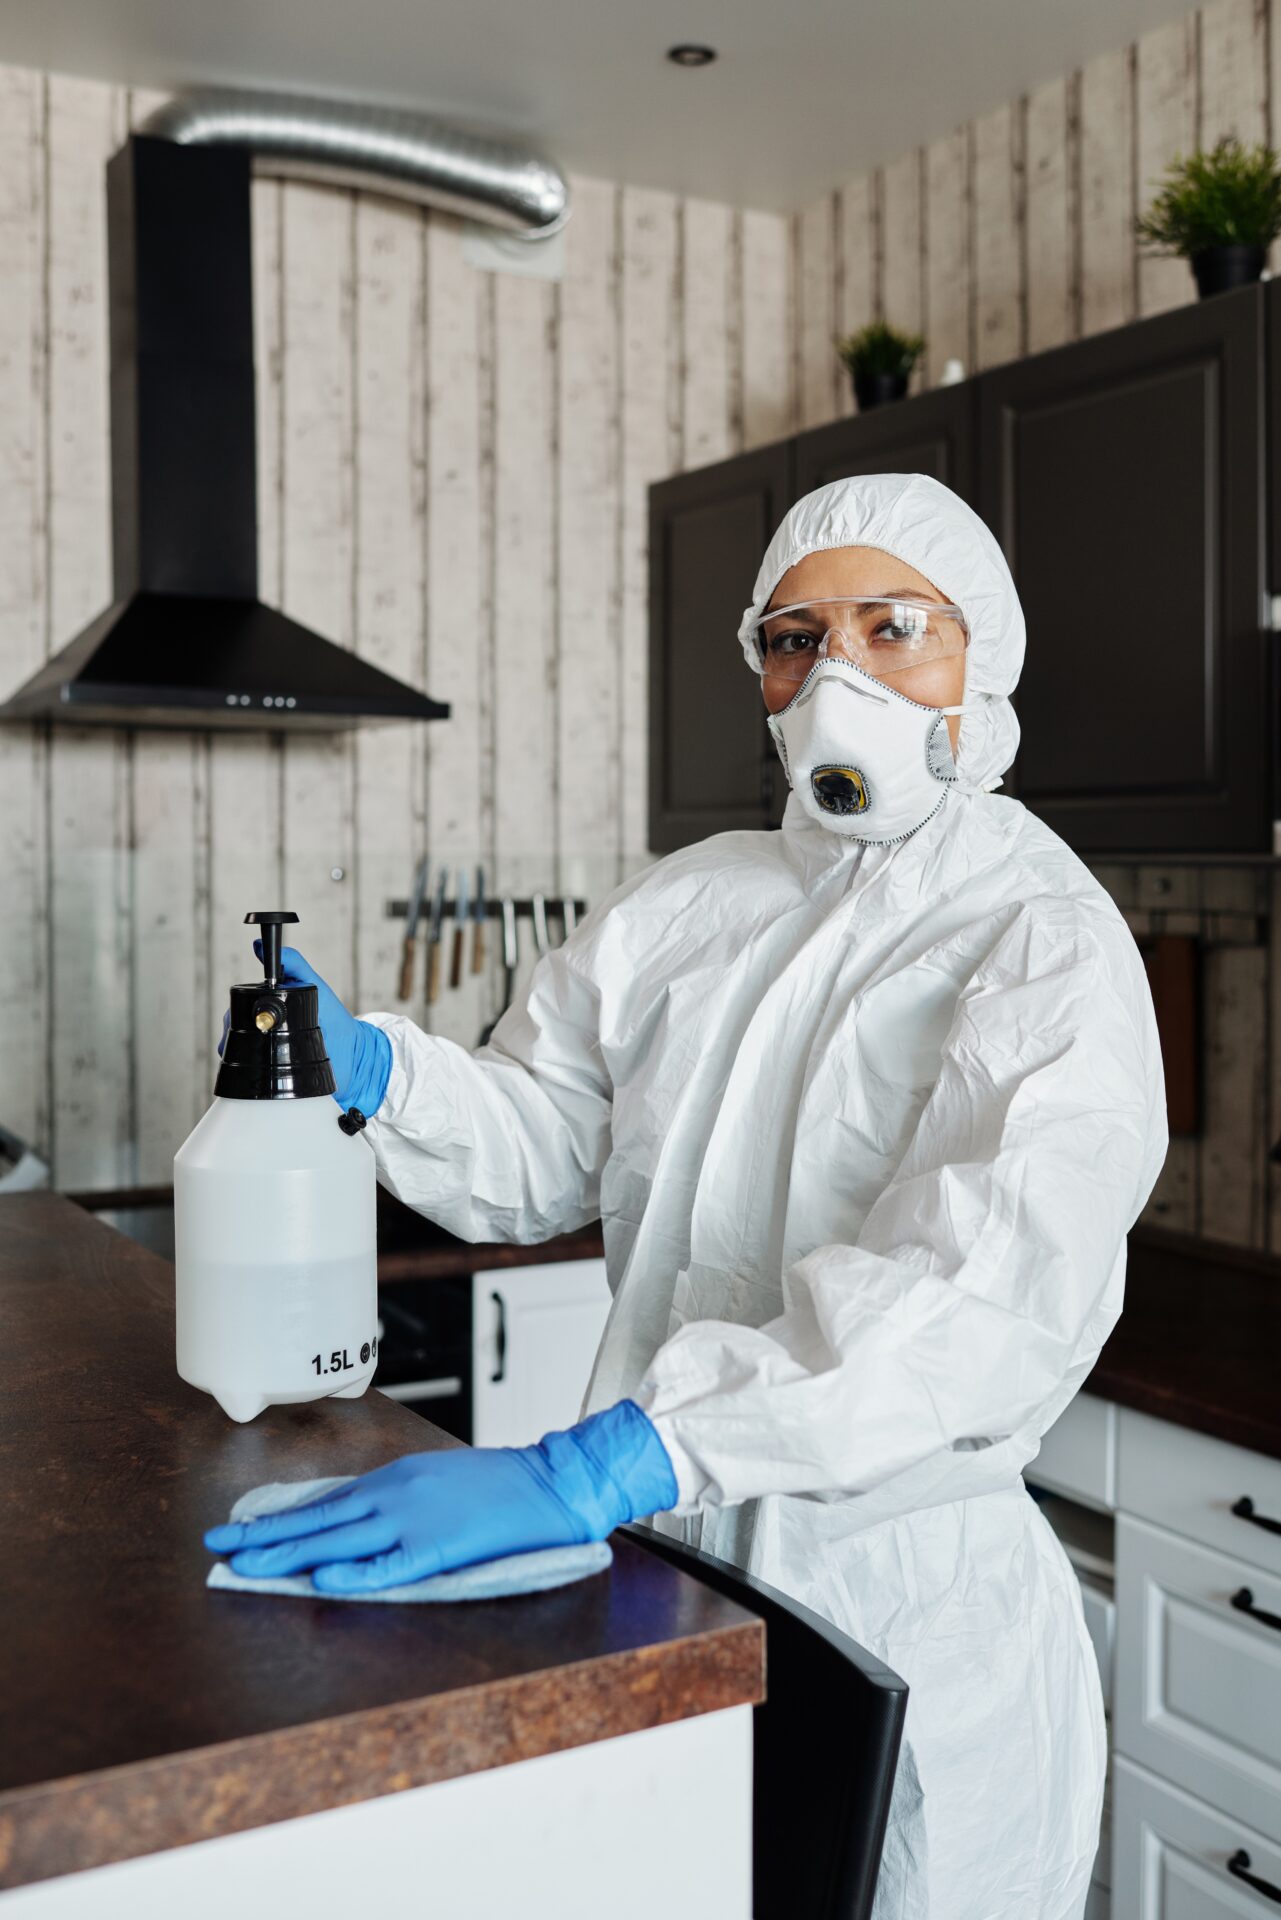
<point>1239,1868</point>
<point>500,1341</point>
<point>1244,1510</point>
<point>1243,1601</point>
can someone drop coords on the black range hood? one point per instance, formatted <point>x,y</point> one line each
<point>187,642</point>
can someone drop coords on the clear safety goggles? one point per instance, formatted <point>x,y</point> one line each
<point>883,636</point>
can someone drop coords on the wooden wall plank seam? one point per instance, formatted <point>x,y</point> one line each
<point>1001,317</point>
<point>389,374</point>
<point>651,445</point>
<point>586,768</point>
<point>858,268</point>
<point>708,324</point>
<point>524,691</point>
<point>1167,85</point>
<point>817,320</point>
<point>317,540</point>
<point>901,291</point>
<point>24,921</point>
<point>769,405</point>
<point>948,265</point>
<point>93,1130</point>
<point>1108,292</point>
<point>1050,231</point>
<point>457,347</point>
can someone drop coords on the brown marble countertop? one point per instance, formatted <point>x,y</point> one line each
<point>140,1711</point>
<point>1199,1339</point>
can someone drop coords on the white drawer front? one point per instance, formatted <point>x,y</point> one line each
<point>1078,1454</point>
<point>1198,1683</point>
<point>1170,1856</point>
<point>1190,1483</point>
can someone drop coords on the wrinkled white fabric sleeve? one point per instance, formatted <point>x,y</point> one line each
<point>979,1281</point>
<point>509,1142</point>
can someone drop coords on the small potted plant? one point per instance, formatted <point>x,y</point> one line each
<point>1219,211</point>
<point>880,359</point>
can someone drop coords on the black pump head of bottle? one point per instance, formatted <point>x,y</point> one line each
<point>274,1048</point>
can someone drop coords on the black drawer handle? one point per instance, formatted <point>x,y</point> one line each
<point>1239,1868</point>
<point>1243,1601</point>
<point>1244,1510</point>
<point>500,1339</point>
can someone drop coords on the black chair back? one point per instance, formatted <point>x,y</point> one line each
<point>825,1748</point>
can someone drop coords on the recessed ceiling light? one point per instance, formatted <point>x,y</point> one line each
<point>689,55</point>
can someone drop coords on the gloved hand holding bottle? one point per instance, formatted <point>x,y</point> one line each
<point>429,1512</point>
<point>359,1053</point>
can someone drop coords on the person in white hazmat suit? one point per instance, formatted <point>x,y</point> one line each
<point>867,1107</point>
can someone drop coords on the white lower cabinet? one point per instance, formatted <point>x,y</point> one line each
<point>1205,1490</point>
<point>536,1331</point>
<point>1190,1659</point>
<point>1175,1858</point>
<point>1198,1693</point>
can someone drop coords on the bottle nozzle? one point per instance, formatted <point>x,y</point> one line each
<point>271,923</point>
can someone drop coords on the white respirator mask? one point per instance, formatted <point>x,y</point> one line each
<point>863,760</point>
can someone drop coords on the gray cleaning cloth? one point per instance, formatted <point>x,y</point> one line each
<point>488,1580</point>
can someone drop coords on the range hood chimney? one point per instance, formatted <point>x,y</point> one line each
<point>187,642</point>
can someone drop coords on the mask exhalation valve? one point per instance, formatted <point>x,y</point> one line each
<point>839,789</point>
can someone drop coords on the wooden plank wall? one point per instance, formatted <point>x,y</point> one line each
<point>1015,233</point>
<point>453,469</point>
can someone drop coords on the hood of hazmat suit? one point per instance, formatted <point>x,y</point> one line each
<point>866,1127</point>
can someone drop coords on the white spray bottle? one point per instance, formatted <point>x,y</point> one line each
<point>274,1213</point>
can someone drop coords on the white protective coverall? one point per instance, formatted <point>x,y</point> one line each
<point>866,1128</point>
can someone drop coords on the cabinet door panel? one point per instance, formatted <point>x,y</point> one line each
<point>1198,1680</point>
<point>536,1333</point>
<point>1170,1855</point>
<point>1123,477</point>
<point>710,755</point>
<point>932,434</point>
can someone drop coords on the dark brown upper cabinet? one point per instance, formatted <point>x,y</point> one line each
<point>932,434</point>
<point>711,760</point>
<point>1123,476</point>
<point>1272,322</point>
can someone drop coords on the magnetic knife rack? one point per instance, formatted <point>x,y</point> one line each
<point>524,909</point>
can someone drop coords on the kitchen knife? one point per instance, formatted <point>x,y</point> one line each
<point>461,912</point>
<point>479,915</point>
<point>412,916</point>
<point>511,951</point>
<point>435,930</point>
<point>538,910</point>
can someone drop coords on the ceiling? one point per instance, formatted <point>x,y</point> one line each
<point>805,93</point>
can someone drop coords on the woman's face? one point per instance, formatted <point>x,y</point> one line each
<point>867,571</point>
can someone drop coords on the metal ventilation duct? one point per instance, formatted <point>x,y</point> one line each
<point>347,144</point>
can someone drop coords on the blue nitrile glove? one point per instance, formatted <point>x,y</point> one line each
<point>359,1053</point>
<point>429,1512</point>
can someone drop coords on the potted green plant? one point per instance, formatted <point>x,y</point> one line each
<point>880,359</point>
<point>1219,211</point>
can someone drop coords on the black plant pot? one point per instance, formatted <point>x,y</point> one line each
<point>875,389</point>
<point>1219,269</point>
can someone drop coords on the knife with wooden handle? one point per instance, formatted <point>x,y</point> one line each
<point>435,933</point>
<point>413,914</point>
<point>461,911</point>
<point>480,913</point>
